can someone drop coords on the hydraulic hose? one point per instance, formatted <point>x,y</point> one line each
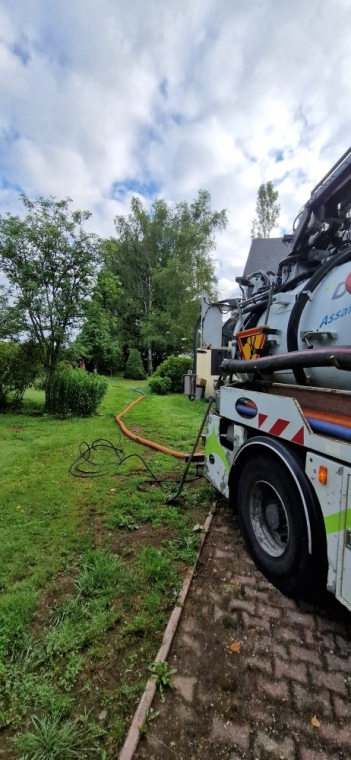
<point>292,332</point>
<point>321,357</point>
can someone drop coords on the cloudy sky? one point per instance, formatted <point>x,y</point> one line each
<point>103,99</point>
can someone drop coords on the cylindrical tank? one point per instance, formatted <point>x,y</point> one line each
<point>325,323</point>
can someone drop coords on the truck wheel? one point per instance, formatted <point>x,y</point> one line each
<point>273,522</point>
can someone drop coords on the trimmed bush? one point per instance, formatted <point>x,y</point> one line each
<point>134,367</point>
<point>160,385</point>
<point>76,393</point>
<point>174,368</point>
<point>18,368</point>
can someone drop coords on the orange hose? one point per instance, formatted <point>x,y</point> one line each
<point>334,419</point>
<point>144,441</point>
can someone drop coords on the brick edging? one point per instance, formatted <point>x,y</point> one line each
<point>132,738</point>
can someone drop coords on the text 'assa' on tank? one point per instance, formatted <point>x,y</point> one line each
<point>333,317</point>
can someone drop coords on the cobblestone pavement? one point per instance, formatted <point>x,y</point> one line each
<point>294,666</point>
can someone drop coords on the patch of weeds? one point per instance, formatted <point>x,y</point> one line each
<point>100,651</point>
<point>74,665</point>
<point>24,688</point>
<point>150,716</point>
<point>120,520</point>
<point>147,512</point>
<point>78,623</point>
<point>138,626</point>
<point>72,610</point>
<point>66,637</point>
<point>185,547</point>
<point>163,674</point>
<point>49,700</point>
<point>100,573</point>
<point>55,739</point>
<point>172,517</point>
<point>100,618</point>
<point>118,732</point>
<point>137,512</point>
<point>128,583</point>
<point>238,588</point>
<point>157,567</point>
<point>153,602</point>
<point>128,697</point>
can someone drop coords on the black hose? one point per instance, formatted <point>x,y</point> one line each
<point>253,319</point>
<point>291,284</point>
<point>321,357</point>
<point>260,306</point>
<point>303,298</point>
<point>291,259</point>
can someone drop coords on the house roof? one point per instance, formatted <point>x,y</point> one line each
<point>265,254</point>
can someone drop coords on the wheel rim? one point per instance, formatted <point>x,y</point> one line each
<point>269,518</point>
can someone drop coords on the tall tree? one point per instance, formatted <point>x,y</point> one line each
<point>98,341</point>
<point>50,262</point>
<point>267,210</point>
<point>163,259</point>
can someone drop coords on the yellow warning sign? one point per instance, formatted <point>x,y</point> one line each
<point>251,342</point>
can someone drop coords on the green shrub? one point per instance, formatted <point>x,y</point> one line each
<point>174,368</point>
<point>134,367</point>
<point>160,385</point>
<point>76,392</point>
<point>18,368</point>
<point>39,382</point>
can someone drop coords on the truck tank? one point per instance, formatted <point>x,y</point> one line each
<point>325,322</point>
<point>303,311</point>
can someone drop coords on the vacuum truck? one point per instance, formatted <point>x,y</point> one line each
<point>278,436</point>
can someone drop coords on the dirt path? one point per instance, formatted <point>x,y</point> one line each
<point>294,664</point>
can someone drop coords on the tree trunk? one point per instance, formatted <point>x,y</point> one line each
<point>149,311</point>
<point>149,360</point>
<point>49,376</point>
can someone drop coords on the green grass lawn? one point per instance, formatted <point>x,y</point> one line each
<point>89,569</point>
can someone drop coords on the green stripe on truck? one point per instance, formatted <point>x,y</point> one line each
<point>337,521</point>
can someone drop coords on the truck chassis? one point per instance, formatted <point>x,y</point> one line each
<point>290,486</point>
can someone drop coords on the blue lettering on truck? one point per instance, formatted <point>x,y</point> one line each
<point>333,317</point>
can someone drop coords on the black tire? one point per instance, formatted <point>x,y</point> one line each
<point>273,522</point>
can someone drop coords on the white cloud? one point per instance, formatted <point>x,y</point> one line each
<point>174,96</point>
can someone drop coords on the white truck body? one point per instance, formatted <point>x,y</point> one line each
<point>278,442</point>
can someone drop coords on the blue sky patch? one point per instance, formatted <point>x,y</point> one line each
<point>120,189</point>
<point>5,184</point>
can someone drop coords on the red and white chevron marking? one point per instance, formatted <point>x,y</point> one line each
<point>290,431</point>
